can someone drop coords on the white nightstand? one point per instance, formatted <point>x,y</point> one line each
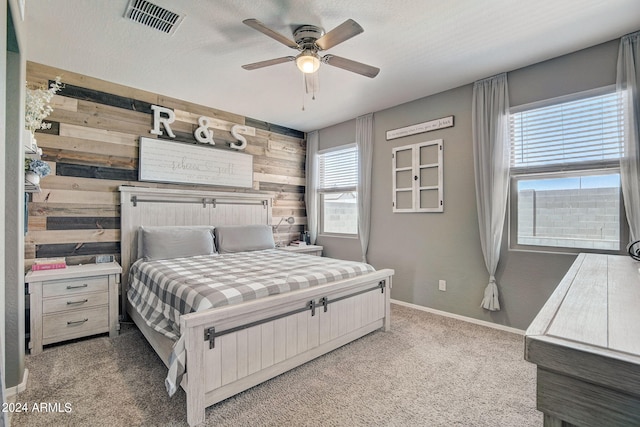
<point>73,302</point>
<point>307,249</point>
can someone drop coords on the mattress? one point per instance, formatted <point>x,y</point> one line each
<point>163,290</point>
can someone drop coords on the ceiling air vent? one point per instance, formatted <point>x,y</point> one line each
<point>152,15</point>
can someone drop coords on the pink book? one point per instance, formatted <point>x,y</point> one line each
<point>54,266</point>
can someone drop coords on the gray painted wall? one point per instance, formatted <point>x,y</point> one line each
<point>13,198</point>
<point>426,247</point>
<point>3,120</point>
<point>14,228</point>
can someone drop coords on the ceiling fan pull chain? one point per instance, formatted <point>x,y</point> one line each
<point>304,83</point>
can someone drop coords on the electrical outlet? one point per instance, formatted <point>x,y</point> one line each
<point>442,285</point>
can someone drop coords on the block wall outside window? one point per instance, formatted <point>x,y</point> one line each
<point>340,213</point>
<point>584,218</point>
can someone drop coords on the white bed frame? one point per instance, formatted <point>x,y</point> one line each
<point>231,349</point>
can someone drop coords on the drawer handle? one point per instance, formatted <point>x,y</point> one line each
<point>77,322</point>
<point>77,302</point>
<point>77,287</point>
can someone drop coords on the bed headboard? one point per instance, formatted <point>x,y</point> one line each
<point>141,206</point>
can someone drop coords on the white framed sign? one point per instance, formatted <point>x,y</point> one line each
<point>445,122</point>
<point>168,161</point>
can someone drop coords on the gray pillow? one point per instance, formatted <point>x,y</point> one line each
<point>239,238</point>
<point>175,241</point>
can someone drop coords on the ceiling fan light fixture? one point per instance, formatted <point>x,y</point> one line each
<point>308,61</point>
<point>309,40</point>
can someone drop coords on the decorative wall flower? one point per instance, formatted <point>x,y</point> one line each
<point>37,106</point>
<point>37,166</point>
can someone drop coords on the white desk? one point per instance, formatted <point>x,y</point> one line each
<point>586,343</point>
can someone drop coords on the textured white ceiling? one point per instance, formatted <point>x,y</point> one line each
<point>421,46</point>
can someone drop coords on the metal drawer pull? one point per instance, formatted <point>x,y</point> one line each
<point>77,322</point>
<point>77,302</point>
<point>77,287</point>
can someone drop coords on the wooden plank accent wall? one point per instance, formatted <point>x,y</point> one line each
<point>92,148</point>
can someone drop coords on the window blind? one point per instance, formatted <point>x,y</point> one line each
<point>584,130</point>
<point>338,169</point>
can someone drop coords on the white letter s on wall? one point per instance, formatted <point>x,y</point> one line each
<point>242,141</point>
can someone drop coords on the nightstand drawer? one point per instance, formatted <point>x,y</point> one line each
<point>56,288</point>
<point>74,324</point>
<point>74,302</point>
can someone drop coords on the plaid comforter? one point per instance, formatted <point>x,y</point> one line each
<point>162,290</point>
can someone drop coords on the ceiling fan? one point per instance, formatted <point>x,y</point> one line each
<point>309,40</point>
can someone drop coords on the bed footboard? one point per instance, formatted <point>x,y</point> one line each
<point>232,349</point>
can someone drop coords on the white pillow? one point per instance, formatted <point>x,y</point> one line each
<point>239,238</point>
<point>175,241</point>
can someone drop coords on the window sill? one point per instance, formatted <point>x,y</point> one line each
<point>565,251</point>
<point>339,236</point>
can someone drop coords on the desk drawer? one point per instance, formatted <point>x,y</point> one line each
<point>58,288</point>
<point>74,302</point>
<point>74,324</point>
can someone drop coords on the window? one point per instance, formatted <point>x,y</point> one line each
<point>338,179</point>
<point>565,178</point>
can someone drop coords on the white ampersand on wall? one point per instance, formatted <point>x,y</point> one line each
<point>203,134</point>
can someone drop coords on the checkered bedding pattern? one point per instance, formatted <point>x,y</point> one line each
<point>162,290</point>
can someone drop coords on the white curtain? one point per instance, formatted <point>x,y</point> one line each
<point>364,142</point>
<point>311,192</point>
<point>490,125</point>
<point>627,85</point>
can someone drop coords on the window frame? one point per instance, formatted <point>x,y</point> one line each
<point>322,191</point>
<point>513,214</point>
<point>563,170</point>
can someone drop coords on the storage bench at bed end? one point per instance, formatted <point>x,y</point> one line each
<point>281,333</point>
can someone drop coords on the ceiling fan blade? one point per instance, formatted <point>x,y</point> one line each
<point>268,62</point>
<point>342,32</point>
<point>257,25</point>
<point>350,65</point>
<point>311,83</point>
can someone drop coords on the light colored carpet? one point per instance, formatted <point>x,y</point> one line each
<point>427,371</point>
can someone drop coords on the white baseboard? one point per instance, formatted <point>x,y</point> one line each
<point>13,391</point>
<point>459,317</point>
